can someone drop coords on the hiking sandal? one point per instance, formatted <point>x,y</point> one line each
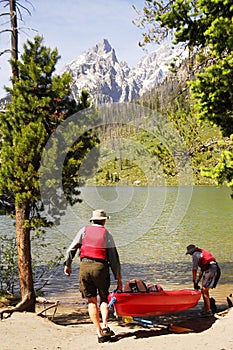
<point>107,332</point>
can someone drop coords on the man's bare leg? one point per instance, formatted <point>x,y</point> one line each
<point>206,298</point>
<point>94,314</point>
<point>104,313</point>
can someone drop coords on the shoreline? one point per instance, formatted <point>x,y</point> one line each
<point>27,331</point>
<point>67,326</point>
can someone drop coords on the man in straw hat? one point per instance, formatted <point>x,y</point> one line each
<point>97,252</point>
<point>209,273</point>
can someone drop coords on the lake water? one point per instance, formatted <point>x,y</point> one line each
<point>151,227</point>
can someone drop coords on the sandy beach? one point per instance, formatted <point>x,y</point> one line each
<point>69,328</point>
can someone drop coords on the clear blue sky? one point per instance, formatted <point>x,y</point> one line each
<point>73,26</point>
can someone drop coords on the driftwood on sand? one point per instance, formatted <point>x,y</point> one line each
<point>54,305</point>
<point>21,307</point>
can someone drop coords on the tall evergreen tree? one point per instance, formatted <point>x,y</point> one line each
<point>205,26</point>
<point>40,103</point>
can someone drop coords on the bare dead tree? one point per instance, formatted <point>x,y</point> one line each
<point>14,37</point>
<point>15,12</point>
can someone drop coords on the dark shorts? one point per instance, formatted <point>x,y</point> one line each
<point>211,276</point>
<point>94,278</point>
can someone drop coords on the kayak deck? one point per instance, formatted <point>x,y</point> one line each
<point>154,303</point>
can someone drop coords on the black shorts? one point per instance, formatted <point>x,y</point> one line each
<point>211,276</point>
<point>94,278</point>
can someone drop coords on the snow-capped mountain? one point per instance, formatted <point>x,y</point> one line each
<point>98,71</point>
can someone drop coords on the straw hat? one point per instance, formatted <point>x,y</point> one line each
<point>190,249</point>
<point>99,214</point>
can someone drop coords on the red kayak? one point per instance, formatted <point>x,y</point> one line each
<point>154,303</point>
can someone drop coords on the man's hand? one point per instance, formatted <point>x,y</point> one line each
<point>119,284</point>
<point>67,271</point>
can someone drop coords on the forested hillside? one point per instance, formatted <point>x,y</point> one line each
<point>151,162</point>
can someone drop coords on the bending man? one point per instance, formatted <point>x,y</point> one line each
<point>209,273</point>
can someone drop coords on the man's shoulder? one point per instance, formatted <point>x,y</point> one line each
<point>197,254</point>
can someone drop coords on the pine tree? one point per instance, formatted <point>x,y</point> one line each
<point>40,103</point>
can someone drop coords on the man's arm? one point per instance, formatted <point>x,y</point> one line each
<point>195,258</point>
<point>114,260</point>
<point>71,252</point>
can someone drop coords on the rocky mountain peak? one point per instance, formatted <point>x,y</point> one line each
<point>103,46</point>
<point>98,71</point>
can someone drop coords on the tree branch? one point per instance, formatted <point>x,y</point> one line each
<point>5,51</point>
<point>55,305</point>
<point>6,1</point>
<point>24,8</point>
<point>5,30</point>
<point>4,14</point>
<point>205,147</point>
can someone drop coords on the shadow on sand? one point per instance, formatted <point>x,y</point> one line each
<point>188,321</point>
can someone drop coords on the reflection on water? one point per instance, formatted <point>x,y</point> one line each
<point>151,227</point>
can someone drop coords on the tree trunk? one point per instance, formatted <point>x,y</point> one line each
<point>14,37</point>
<point>24,261</point>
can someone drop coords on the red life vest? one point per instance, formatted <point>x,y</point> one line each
<point>206,258</point>
<point>94,243</point>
